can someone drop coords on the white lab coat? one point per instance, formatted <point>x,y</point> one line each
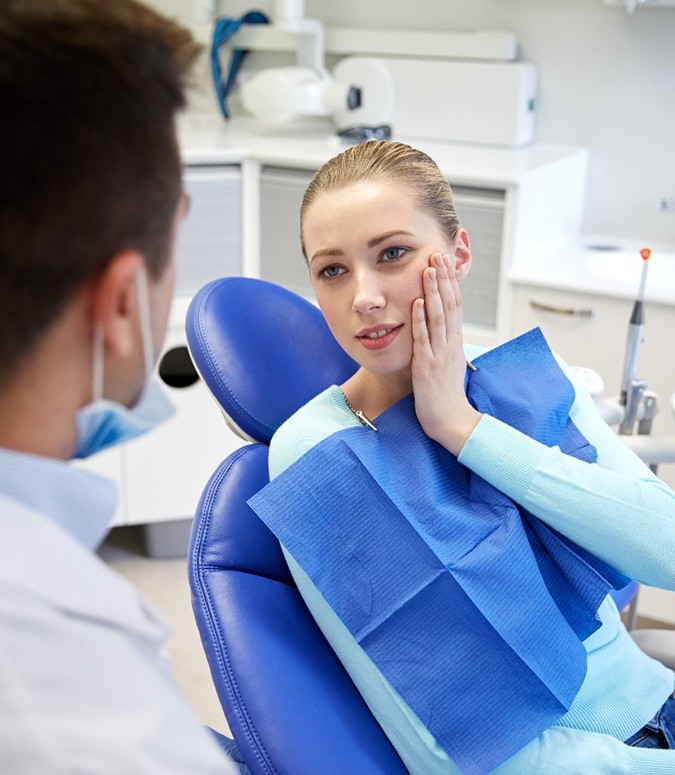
<point>84,685</point>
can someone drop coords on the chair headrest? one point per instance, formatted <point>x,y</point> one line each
<point>262,351</point>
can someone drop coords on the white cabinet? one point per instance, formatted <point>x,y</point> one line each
<point>166,470</point>
<point>482,213</point>
<point>209,241</point>
<point>281,259</point>
<point>590,330</point>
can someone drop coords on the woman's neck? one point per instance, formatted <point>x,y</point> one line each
<point>374,394</point>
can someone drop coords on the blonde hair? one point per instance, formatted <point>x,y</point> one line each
<point>382,161</point>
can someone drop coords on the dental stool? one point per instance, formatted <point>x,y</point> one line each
<point>289,703</point>
<point>263,352</point>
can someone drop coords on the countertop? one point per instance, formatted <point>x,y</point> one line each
<point>210,139</point>
<point>602,265</point>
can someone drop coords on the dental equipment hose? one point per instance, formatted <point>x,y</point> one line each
<point>632,389</point>
<point>223,30</point>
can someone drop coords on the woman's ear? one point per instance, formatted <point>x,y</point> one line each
<point>114,305</point>
<point>462,254</point>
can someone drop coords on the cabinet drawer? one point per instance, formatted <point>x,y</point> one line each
<point>481,213</point>
<point>598,341</point>
<point>585,330</point>
<point>281,259</point>
<point>209,241</point>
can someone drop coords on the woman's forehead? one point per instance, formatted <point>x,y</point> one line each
<point>362,200</point>
<point>357,214</point>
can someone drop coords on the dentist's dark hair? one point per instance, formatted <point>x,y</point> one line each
<point>89,163</point>
<point>387,161</point>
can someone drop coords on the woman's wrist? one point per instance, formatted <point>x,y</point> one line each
<point>455,435</point>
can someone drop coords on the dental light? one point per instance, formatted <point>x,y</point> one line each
<point>358,95</point>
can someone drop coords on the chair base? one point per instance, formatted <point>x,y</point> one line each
<point>163,540</point>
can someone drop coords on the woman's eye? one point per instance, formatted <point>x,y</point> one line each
<point>331,271</point>
<point>391,254</point>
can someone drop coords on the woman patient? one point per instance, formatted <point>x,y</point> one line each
<point>387,254</point>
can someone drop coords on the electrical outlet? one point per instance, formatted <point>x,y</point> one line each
<point>667,205</point>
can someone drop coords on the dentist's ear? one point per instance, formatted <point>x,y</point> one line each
<point>114,307</point>
<point>462,254</point>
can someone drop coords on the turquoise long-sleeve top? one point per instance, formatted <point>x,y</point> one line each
<point>615,508</point>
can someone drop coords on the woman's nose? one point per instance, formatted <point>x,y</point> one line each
<point>368,293</point>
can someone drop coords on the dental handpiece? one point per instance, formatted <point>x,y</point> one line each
<point>635,337</point>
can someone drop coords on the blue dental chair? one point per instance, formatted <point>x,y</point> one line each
<point>290,705</point>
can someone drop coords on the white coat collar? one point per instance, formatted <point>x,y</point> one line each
<point>81,502</point>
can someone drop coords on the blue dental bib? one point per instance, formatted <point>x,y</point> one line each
<point>470,607</point>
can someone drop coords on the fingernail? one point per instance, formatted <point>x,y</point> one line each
<point>432,274</point>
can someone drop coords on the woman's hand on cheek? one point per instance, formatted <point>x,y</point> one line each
<point>438,363</point>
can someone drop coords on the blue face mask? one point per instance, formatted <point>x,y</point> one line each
<point>104,423</point>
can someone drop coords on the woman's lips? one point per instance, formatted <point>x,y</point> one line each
<point>379,338</point>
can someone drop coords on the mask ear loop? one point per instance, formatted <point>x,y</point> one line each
<point>97,366</point>
<point>146,323</point>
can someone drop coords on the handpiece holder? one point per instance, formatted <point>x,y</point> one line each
<point>652,450</point>
<point>637,403</point>
<point>634,396</point>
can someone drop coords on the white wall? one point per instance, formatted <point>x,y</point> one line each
<point>607,82</point>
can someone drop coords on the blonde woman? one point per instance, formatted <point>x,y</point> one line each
<point>460,447</point>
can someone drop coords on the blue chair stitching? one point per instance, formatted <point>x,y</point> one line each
<point>211,619</point>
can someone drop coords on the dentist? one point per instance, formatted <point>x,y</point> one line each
<point>90,202</point>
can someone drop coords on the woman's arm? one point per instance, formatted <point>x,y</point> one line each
<point>561,751</point>
<point>616,508</point>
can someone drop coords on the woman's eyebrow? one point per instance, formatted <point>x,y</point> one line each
<point>396,233</point>
<point>332,252</point>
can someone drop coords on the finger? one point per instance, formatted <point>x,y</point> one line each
<point>420,332</point>
<point>447,294</point>
<point>434,306</point>
<point>455,322</point>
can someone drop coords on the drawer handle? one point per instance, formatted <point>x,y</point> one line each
<point>574,312</point>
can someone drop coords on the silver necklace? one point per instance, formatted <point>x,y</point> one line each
<point>359,414</point>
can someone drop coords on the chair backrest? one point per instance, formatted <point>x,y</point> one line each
<point>289,703</point>
<point>262,351</point>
